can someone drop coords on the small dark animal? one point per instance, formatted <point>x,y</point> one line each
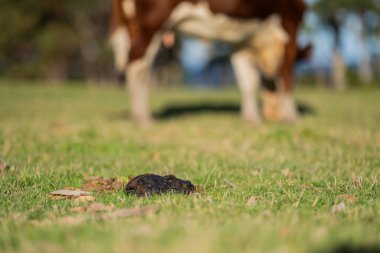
<point>149,184</point>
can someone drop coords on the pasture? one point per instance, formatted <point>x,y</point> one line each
<point>309,187</point>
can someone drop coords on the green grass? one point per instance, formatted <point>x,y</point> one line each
<point>52,136</point>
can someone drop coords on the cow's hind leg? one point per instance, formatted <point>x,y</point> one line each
<point>271,100</point>
<point>140,77</point>
<point>248,80</point>
<point>278,103</point>
<point>288,107</point>
<point>120,43</point>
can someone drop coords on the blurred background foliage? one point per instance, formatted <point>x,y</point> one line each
<point>55,40</point>
<point>68,40</point>
<point>335,14</point>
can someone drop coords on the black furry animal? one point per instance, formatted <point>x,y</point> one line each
<point>149,184</point>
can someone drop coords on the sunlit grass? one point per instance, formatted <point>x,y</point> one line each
<point>53,136</point>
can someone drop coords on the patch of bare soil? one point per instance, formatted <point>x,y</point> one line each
<point>99,184</point>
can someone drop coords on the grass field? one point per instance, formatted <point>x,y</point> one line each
<point>294,176</point>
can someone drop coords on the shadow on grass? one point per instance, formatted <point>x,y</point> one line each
<point>176,110</point>
<point>181,110</point>
<point>346,248</point>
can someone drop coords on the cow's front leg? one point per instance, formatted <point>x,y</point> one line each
<point>248,80</point>
<point>139,78</point>
<point>288,109</point>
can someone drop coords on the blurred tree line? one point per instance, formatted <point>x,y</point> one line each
<point>333,14</point>
<point>55,40</point>
<point>59,40</point>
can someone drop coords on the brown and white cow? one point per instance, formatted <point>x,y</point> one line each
<point>263,33</point>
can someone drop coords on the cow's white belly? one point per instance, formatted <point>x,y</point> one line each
<point>197,20</point>
<point>263,40</point>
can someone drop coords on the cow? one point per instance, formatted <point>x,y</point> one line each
<point>263,34</point>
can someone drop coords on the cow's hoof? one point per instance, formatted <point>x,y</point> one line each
<point>279,107</point>
<point>250,114</point>
<point>290,117</point>
<point>144,122</point>
<point>289,112</point>
<point>271,106</point>
<point>252,120</point>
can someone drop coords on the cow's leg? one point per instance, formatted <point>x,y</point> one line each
<point>271,99</point>
<point>279,104</point>
<point>248,80</point>
<point>138,89</point>
<point>140,77</point>
<point>288,107</point>
<point>120,43</point>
